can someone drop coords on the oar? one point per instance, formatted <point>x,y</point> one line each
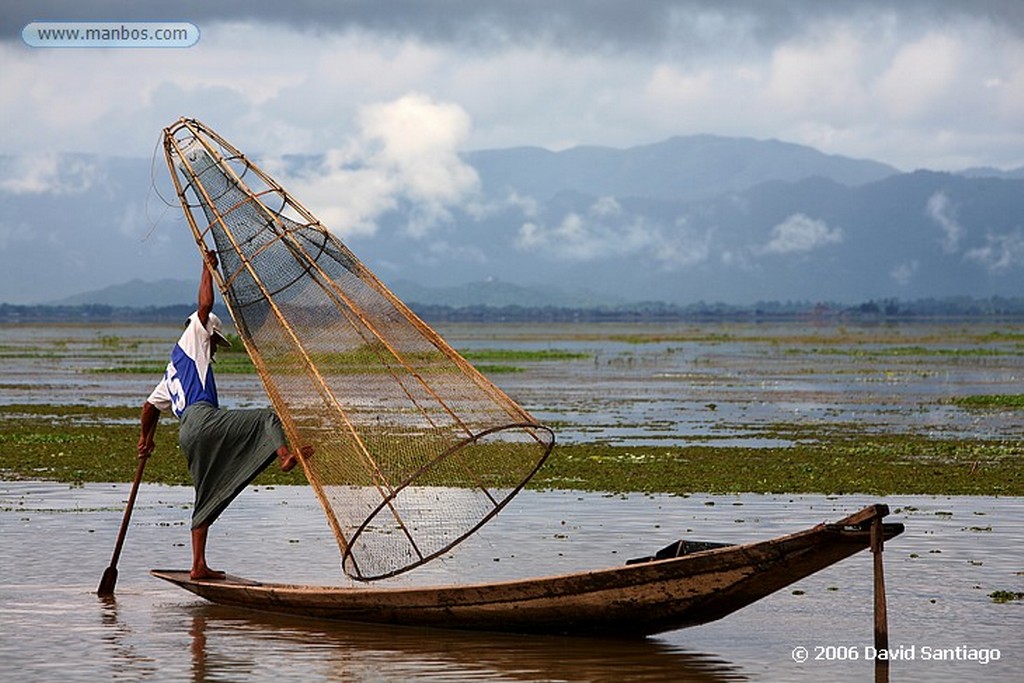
<point>110,574</point>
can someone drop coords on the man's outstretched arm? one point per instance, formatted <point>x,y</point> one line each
<point>206,287</point>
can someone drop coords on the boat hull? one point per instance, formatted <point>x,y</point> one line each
<point>635,600</point>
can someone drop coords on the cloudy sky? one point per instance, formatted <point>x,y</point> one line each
<point>392,90</point>
<point>915,83</point>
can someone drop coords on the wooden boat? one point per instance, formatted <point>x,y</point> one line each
<point>651,595</point>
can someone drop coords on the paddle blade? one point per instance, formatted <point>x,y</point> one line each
<point>107,582</point>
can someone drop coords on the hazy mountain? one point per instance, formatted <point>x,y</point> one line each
<point>681,168</point>
<point>700,218</point>
<point>486,293</point>
<point>989,172</point>
<point>496,293</point>
<point>906,236</point>
<point>137,293</point>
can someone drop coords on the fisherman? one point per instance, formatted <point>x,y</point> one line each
<point>225,449</point>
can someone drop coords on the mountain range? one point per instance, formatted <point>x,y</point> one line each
<point>698,218</point>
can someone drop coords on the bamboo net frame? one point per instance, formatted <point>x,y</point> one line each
<point>414,448</point>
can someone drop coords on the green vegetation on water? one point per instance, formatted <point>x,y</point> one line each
<point>908,351</point>
<point>991,402</point>
<point>96,444</point>
<point>235,360</point>
<point>1006,596</point>
<point>80,444</point>
<point>522,355</point>
<point>227,364</point>
<point>92,444</point>
<point>879,465</point>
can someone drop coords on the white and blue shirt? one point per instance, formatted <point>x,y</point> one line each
<point>189,376</point>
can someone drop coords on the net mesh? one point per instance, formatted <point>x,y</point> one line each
<point>414,449</point>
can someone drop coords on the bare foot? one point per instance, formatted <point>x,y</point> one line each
<point>288,459</point>
<point>205,573</point>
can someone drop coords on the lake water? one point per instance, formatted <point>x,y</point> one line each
<point>728,388</point>
<point>725,384</point>
<point>57,542</point>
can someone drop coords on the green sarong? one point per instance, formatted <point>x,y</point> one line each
<point>226,450</point>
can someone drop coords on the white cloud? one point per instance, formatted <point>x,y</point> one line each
<point>821,77</point>
<point>939,94</point>
<point>576,239</point>
<point>48,173</point>
<point>689,248</point>
<point>905,272</point>
<point>529,206</point>
<point>11,234</point>
<point>606,207</point>
<point>143,224</point>
<point>1008,76</point>
<point>417,140</point>
<point>799,233</point>
<point>133,222</point>
<point>1000,253</point>
<point>671,86</point>
<point>605,230</point>
<point>940,209</point>
<point>406,151</point>
<point>442,252</point>
<point>920,76</point>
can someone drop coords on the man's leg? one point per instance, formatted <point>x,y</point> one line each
<point>199,568</point>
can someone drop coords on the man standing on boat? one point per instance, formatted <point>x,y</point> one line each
<point>225,449</point>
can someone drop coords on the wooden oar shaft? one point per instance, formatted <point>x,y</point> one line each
<point>110,575</point>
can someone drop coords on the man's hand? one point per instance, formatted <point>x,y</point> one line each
<point>211,259</point>
<point>148,420</point>
<point>146,445</point>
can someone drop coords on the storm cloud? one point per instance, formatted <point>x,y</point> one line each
<point>575,24</point>
<point>914,84</point>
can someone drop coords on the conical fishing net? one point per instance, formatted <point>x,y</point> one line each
<point>414,449</point>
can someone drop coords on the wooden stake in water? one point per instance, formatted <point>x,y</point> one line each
<point>881,614</point>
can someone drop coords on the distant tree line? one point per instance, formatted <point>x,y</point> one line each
<point>98,313</point>
<point>960,308</point>
<point>996,308</point>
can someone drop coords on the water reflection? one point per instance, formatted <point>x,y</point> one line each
<point>348,651</point>
<point>119,640</point>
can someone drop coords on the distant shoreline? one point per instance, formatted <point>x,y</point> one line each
<point>994,309</point>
